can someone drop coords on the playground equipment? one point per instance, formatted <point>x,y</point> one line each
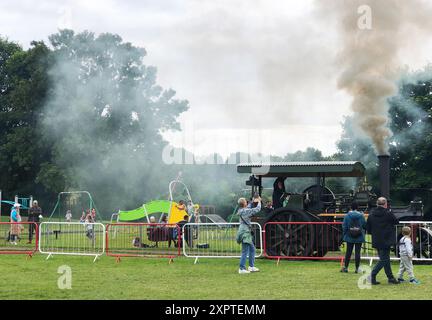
<point>177,215</point>
<point>24,202</point>
<point>76,201</point>
<point>157,208</point>
<point>143,212</point>
<point>317,203</point>
<point>212,218</point>
<point>163,207</point>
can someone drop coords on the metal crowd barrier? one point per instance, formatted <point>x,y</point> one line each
<point>143,240</point>
<point>421,237</point>
<point>279,240</point>
<point>15,238</point>
<point>216,240</point>
<point>72,238</point>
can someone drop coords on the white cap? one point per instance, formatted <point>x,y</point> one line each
<point>16,205</point>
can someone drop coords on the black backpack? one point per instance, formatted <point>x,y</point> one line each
<point>354,229</point>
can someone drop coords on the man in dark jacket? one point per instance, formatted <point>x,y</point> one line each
<point>187,235</point>
<point>34,213</point>
<point>278,192</point>
<point>381,225</point>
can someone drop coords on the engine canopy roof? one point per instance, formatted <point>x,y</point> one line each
<point>304,169</point>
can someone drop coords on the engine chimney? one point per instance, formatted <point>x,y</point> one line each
<point>384,175</point>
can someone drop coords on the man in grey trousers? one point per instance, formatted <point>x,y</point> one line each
<point>381,225</point>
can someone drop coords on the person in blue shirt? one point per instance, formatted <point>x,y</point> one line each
<point>244,234</point>
<point>354,227</point>
<point>15,226</point>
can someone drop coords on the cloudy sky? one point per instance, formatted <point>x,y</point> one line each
<point>262,69</point>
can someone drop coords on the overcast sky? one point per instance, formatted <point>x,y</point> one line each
<point>246,67</point>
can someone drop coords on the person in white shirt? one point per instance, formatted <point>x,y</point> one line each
<point>406,255</point>
<point>89,226</point>
<point>68,216</point>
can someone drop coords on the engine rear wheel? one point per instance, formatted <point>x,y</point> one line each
<point>289,240</point>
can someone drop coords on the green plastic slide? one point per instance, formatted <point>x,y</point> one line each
<point>152,207</point>
<point>132,215</point>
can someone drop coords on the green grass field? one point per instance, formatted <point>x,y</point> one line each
<point>140,278</point>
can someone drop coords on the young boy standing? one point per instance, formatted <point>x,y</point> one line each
<point>406,255</point>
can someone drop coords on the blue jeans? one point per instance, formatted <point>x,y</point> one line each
<point>384,262</point>
<point>247,249</point>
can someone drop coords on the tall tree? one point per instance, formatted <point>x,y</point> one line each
<point>24,85</point>
<point>411,146</point>
<point>104,118</point>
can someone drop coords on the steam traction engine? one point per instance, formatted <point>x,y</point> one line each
<point>317,203</point>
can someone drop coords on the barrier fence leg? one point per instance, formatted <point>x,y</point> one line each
<point>370,262</point>
<point>196,260</point>
<point>118,259</point>
<point>171,260</point>
<point>278,260</point>
<point>49,256</point>
<point>94,260</point>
